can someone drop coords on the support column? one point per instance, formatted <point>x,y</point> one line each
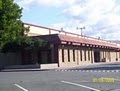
<point>77,57</point>
<point>56,54</point>
<point>92,56</point>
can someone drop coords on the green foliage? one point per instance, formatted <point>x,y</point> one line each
<point>11,26</point>
<point>33,43</point>
<point>12,37</point>
<point>11,47</point>
<point>0,4</point>
<point>26,44</point>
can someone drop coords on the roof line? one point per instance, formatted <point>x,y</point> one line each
<point>66,32</point>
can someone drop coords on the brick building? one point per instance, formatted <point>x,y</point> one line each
<point>64,50</point>
<point>69,49</point>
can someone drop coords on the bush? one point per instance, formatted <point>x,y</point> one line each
<point>26,44</point>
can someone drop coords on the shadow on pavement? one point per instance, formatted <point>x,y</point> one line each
<point>114,66</point>
<point>101,68</point>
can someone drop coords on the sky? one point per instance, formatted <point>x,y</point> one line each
<point>101,18</point>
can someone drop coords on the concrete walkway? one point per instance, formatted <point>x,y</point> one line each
<point>20,70</point>
<point>97,65</point>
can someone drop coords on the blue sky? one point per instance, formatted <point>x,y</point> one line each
<point>43,16</point>
<point>101,18</point>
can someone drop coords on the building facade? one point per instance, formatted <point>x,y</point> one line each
<point>69,49</point>
<point>72,51</point>
<point>64,49</point>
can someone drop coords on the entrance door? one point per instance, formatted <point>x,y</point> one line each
<point>44,57</point>
<point>96,56</point>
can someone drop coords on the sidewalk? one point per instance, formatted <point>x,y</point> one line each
<point>19,68</point>
<point>58,68</point>
<point>22,70</point>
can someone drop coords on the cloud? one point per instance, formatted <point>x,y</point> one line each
<point>100,17</point>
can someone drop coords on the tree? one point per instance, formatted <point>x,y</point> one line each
<point>0,4</point>
<point>10,23</point>
<point>28,44</point>
<point>12,37</point>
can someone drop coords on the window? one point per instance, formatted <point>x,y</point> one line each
<point>81,55</point>
<point>119,54</point>
<point>68,55</point>
<point>91,56</point>
<point>85,54</point>
<point>116,57</point>
<point>74,55</point>
<point>103,54</point>
<point>62,55</point>
<point>88,55</point>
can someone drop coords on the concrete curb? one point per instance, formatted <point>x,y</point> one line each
<point>115,71</point>
<point>51,69</point>
<point>22,70</point>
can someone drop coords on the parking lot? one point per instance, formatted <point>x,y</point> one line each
<point>58,81</point>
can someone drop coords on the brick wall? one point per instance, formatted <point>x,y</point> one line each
<point>84,56</point>
<point>74,56</point>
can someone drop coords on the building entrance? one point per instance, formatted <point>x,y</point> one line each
<point>96,56</point>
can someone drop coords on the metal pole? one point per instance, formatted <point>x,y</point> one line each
<point>81,29</point>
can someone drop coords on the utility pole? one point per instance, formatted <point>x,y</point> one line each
<point>81,28</point>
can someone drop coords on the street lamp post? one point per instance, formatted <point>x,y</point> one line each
<point>81,28</point>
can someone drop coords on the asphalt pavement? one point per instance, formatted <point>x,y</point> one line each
<point>73,79</point>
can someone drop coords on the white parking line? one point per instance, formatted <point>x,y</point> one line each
<point>20,87</point>
<point>80,85</point>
